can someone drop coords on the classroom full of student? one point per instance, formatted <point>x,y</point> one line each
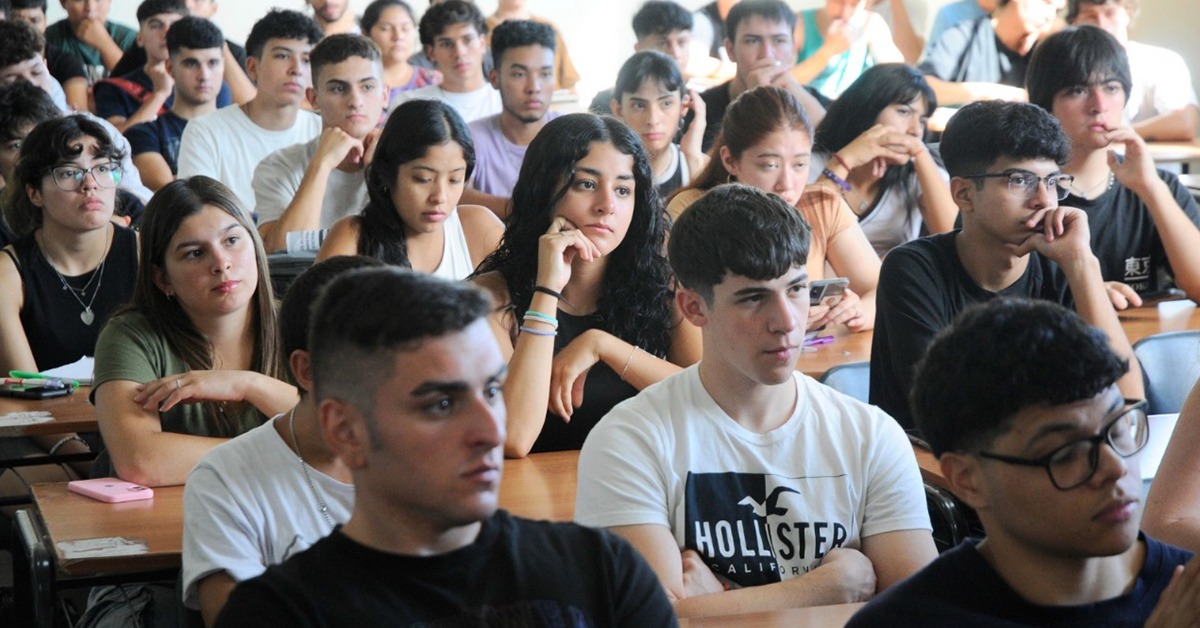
<point>500,270</point>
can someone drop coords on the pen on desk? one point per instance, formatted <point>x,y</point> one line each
<point>819,340</point>
<point>40,376</point>
<point>42,382</point>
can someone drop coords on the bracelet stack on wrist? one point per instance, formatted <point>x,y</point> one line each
<point>538,317</point>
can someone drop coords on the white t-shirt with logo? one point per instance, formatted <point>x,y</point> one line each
<point>760,508</point>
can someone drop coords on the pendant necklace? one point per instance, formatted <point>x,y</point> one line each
<point>307,475</point>
<point>87,316</point>
<point>1087,194</point>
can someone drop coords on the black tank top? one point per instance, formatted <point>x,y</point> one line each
<point>51,314</point>
<point>602,390</point>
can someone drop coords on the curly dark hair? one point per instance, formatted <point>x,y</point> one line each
<point>19,42</point>
<point>439,17</point>
<point>281,24</point>
<point>637,311</point>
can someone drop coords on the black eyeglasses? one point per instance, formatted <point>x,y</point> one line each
<point>1024,184</point>
<point>70,178</point>
<point>1075,463</point>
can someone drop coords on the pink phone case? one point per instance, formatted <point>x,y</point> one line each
<point>110,490</point>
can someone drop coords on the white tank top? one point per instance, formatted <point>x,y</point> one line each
<point>456,258</point>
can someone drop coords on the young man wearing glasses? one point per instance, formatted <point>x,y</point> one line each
<point>1146,226</point>
<point>1039,441</point>
<point>1003,159</point>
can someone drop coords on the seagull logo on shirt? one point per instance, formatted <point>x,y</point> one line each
<point>769,506</point>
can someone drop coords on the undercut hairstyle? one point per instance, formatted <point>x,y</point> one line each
<point>982,132</point>
<point>281,24</point>
<point>49,144</point>
<point>775,11</point>
<point>29,4</point>
<point>411,129</point>
<point>364,317</point>
<point>971,383</point>
<point>1073,6</point>
<point>19,42</point>
<point>193,33</point>
<point>639,312</point>
<point>23,104</point>
<point>748,120</point>
<point>439,17</point>
<point>660,17</point>
<point>337,48</point>
<point>520,33</point>
<point>150,8</point>
<point>165,213</point>
<point>374,11</point>
<point>736,229</point>
<point>1075,56</point>
<point>648,65</point>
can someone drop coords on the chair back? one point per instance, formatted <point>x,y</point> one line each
<point>852,379</point>
<point>1170,366</point>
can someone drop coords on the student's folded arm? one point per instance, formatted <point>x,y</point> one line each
<point>342,239</point>
<point>950,93</point>
<point>899,554</point>
<point>938,209</point>
<point>154,169</point>
<point>76,91</point>
<point>1173,505</point>
<point>851,256</point>
<point>15,353</point>
<point>482,230</point>
<point>283,205</point>
<point>657,545</point>
<point>1179,125</point>
<point>1175,215</point>
<point>499,205</point>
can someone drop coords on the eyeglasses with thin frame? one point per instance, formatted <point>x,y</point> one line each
<point>1075,463</point>
<point>1024,184</point>
<point>70,178</point>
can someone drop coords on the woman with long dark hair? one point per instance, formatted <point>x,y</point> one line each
<point>585,299</point>
<point>871,143</point>
<point>414,182</point>
<point>195,358</point>
<point>766,142</point>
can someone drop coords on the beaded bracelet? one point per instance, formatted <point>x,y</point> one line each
<point>536,332</point>
<point>841,183</point>
<point>534,315</point>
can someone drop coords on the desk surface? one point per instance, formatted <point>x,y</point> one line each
<point>846,348</point>
<point>814,617</point>
<point>72,413</point>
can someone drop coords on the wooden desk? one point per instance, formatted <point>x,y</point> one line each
<point>541,486</point>
<point>1147,321</point>
<point>72,413</point>
<point>814,617</point>
<point>1175,152</point>
<point>845,349</point>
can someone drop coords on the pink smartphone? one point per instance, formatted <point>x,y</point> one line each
<point>110,490</point>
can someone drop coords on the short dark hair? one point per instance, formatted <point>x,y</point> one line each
<point>661,17</point>
<point>971,382</point>
<point>29,4</point>
<point>374,11</point>
<point>19,42</point>
<point>23,104</point>
<point>303,292</point>
<point>985,131</point>
<point>149,8</point>
<point>281,24</point>
<point>1075,56</point>
<point>364,317</point>
<point>519,33</point>
<point>1131,6</point>
<point>736,229</point>
<point>439,17</point>
<point>194,33</point>
<point>770,10</point>
<point>648,65</point>
<point>337,48</point>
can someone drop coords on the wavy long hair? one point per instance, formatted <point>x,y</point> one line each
<point>637,290</point>
<point>411,129</point>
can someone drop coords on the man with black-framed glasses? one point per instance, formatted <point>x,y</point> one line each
<point>1004,163</point>
<point>1019,402</point>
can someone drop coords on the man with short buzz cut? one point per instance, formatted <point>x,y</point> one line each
<point>1004,161</point>
<point>661,25</point>
<point>196,63</point>
<point>304,189</point>
<point>1161,102</point>
<point>229,143</point>
<point>759,39</point>
<point>1019,401</point>
<point>334,17</point>
<point>747,485</point>
<point>408,388</point>
<point>1146,225</point>
<point>523,51</point>
<point>452,35</point>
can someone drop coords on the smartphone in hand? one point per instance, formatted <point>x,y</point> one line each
<point>827,291</point>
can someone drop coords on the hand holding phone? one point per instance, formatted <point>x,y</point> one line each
<point>827,292</point>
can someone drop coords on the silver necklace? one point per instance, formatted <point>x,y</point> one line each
<point>304,467</point>
<point>1087,194</point>
<point>87,316</point>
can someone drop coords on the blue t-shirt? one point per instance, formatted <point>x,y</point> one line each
<point>114,101</point>
<point>158,136</point>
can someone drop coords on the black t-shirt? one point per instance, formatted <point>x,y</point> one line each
<point>716,101</point>
<point>1125,238</point>
<point>516,573</point>
<point>64,66</point>
<point>922,287</point>
<point>160,135</point>
<point>970,52</point>
<point>960,588</point>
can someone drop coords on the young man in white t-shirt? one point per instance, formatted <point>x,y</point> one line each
<point>452,34</point>
<point>310,186</point>
<point>747,485</point>
<point>228,143</point>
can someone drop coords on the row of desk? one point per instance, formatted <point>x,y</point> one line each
<point>541,486</point>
